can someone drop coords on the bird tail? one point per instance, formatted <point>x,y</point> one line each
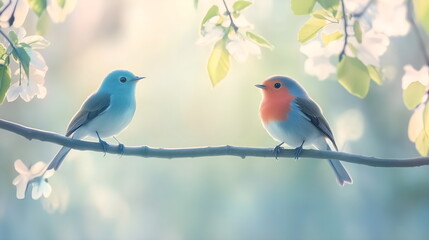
<point>343,176</point>
<point>59,158</point>
<point>340,171</point>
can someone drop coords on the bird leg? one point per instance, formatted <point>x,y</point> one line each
<point>277,150</point>
<point>120,146</point>
<point>298,150</point>
<point>104,144</point>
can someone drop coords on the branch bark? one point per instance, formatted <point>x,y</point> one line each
<point>194,152</point>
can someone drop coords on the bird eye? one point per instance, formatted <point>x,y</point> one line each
<point>277,85</point>
<point>123,79</point>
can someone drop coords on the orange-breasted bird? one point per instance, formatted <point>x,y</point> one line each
<point>290,116</point>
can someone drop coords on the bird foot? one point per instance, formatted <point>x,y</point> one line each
<point>104,145</point>
<point>277,150</point>
<point>121,149</point>
<point>298,152</point>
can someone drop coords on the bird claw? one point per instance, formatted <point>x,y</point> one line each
<point>104,145</point>
<point>277,150</point>
<point>298,152</point>
<point>121,149</point>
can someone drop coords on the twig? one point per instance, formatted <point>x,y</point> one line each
<point>145,151</point>
<point>346,35</point>
<point>230,17</point>
<point>5,7</point>
<point>419,34</point>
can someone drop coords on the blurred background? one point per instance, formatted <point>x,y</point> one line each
<point>112,197</point>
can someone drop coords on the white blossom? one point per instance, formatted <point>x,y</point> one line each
<point>41,187</point>
<point>373,46</point>
<point>318,62</point>
<point>391,18</point>
<point>19,13</point>
<point>412,75</point>
<point>26,89</point>
<point>26,175</point>
<point>240,47</point>
<point>213,35</point>
<point>29,87</point>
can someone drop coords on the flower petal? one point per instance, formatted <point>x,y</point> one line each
<point>20,167</point>
<point>20,13</point>
<point>36,193</point>
<point>21,188</point>
<point>212,36</point>
<point>41,91</point>
<point>13,92</point>
<point>38,168</point>
<point>46,189</point>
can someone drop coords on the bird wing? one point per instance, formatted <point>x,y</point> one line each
<point>92,107</point>
<point>312,111</point>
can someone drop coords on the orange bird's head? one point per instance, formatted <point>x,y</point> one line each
<point>278,93</point>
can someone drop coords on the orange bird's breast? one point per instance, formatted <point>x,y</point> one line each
<point>275,108</point>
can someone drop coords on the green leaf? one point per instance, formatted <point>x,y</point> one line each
<point>421,9</point>
<point>2,50</point>
<point>354,77</point>
<point>42,25</point>
<point>326,39</point>
<point>422,144</point>
<point>219,63</point>
<point>326,4</point>
<point>352,48</point>
<point>4,81</point>
<point>240,5</point>
<point>38,6</point>
<point>62,3</point>
<point>302,7</point>
<point>13,37</point>
<point>310,29</point>
<point>358,31</point>
<point>426,119</point>
<point>261,41</point>
<point>413,94</point>
<point>1,4</point>
<point>375,74</point>
<point>213,11</point>
<point>22,56</point>
<point>322,14</point>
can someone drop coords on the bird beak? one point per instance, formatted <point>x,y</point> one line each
<point>262,86</point>
<point>137,78</point>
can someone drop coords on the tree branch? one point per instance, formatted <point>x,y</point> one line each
<point>346,35</point>
<point>419,34</point>
<point>230,17</point>
<point>243,152</point>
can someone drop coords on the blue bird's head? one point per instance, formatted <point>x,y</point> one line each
<point>119,81</point>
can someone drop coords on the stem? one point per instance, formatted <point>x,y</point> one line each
<point>14,50</point>
<point>346,35</point>
<point>230,17</point>
<point>6,6</point>
<point>419,34</point>
<point>194,152</point>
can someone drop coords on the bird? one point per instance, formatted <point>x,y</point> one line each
<point>103,114</point>
<point>290,116</point>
